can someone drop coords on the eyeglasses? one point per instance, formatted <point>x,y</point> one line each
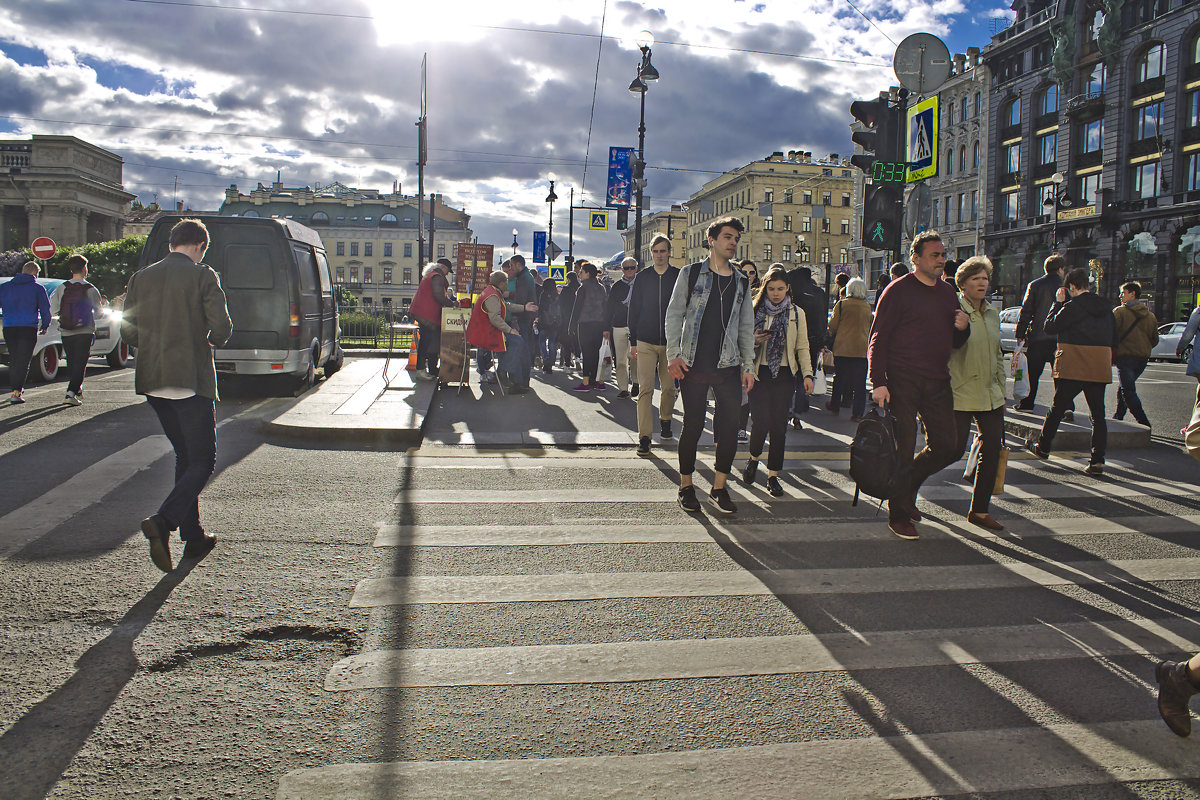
<point>628,269</point>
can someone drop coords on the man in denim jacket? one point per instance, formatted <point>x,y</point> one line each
<point>710,345</point>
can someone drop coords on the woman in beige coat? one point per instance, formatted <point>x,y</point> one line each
<point>849,329</point>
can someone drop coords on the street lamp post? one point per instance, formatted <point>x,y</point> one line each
<point>1051,204</point>
<point>514,241</point>
<point>550,198</point>
<point>646,72</point>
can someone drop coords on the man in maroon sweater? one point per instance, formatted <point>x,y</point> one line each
<point>918,321</point>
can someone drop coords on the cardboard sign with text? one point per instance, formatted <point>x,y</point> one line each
<point>474,266</point>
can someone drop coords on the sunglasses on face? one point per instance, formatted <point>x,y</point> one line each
<point>628,269</point>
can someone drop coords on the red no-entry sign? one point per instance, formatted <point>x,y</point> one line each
<point>43,247</point>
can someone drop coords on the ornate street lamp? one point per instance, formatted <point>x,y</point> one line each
<point>1059,198</point>
<point>514,241</point>
<point>646,72</point>
<point>550,198</point>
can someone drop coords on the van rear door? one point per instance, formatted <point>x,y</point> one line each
<point>252,274</point>
<point>328,304</point>
<point>311,305</point>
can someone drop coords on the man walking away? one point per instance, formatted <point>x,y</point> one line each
<point>1086,335</point>
<point>76,304</point>
<point>811,300</point>
<point>426,308</point>
<point>710,345</point>
<point>175,314</point>
<point>1137,333</point>
<point>23,302</point>
<point>1039,345</point>
<point>917,324</point>
<point>648,300</point>
<point>618,320</point>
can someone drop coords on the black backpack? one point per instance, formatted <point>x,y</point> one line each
<point>75,310</point>
<point>874,458</point>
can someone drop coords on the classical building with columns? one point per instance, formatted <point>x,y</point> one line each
<point>61,187</point>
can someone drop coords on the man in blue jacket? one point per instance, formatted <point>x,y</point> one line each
<point>23,302</point>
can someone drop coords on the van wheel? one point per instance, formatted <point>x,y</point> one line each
<point>118,357</point>
<point>309,379</point>
<point>46,363</point>
<point>335,361</point>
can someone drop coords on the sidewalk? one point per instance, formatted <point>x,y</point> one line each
<point>359,405</point>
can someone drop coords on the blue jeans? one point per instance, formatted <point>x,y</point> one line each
<point>515,360</point>
<point>1128,371</point>
<point>850,384</point>
<point>191,426</point>
<point>547,342</point>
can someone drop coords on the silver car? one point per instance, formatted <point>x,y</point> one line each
<point>1008,328</point>
<point>1168,342</point>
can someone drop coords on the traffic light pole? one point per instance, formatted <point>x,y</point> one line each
<point>901,135</point>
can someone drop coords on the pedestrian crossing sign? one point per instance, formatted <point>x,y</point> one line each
<point>922,140</point>
<point>558,274</point>
<point>599,221</point>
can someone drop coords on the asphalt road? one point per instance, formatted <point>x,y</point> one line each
<point>457,622</point>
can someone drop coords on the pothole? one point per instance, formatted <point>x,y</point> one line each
<point>346,642</point>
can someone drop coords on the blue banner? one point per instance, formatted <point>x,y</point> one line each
<point>539,247</point>
<point>620,177</point>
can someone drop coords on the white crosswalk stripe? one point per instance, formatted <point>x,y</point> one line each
<point>1107,595</point>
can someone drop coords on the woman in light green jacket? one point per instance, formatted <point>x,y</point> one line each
<point>977,378</point>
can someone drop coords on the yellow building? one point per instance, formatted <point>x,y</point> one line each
<point>672,224</point>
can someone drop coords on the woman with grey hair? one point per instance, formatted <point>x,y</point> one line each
<point>848,332</point>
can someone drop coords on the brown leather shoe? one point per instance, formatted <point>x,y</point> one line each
<point>913,513</point>
<point>1174,691</point>
<point>984,520</point>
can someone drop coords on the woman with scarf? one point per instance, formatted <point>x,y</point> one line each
<point>781,352</point>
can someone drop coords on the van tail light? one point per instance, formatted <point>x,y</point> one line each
<point>294,327</point>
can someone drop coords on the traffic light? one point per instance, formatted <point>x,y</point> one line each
<point>882,216</point>
<point>881,160</point>
<point>639,171</point>
<point>622,218</point>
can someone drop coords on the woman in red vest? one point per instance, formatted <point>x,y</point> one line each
<point>488,330</point>
<point>426,308</point>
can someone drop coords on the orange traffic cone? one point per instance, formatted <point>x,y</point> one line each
<point>412,349</point>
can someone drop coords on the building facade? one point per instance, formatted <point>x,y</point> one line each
<point>61,187</point>
<point>672,224</point>
<point>1095,123</point>
<point>797,211</point>
<point>370,238</point>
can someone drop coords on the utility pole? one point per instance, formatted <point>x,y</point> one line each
<point>422,158</point>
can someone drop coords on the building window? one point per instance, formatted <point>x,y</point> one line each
<point>368,249</point>
<point>974,205</point>
<point>1146,121</point>
<point>354,248</point>
<point>1048,148</point>
<point>1191,108</point>
<point>320,218</point>
<point>1049,100</point>
<point>341,248</point>
<point>824,255</point>
<point>769,196</point>
<point>408,274</point>
<point>389,219</point>
<point>387,249</point>
<point>962,208</point>
<point>767,253</point>
<point>1089,189</point>
<point>1097,80</point>
<point>807,198</point>
<point>1012,113</point>
<point>806,224</point>
<point>341,274</point>
<point>441,251</point>
<point>950,161</point>
<point>975,156</point>
<point>935,208</point>
<point>387,276</point>
<point>768,223</point>
<point>354,274</point>
<point>845,227</point>
<point>1008,207</point>
<point>824,224</point>
<point>843,256</point>
<point>367,275</point>
<point>787,222</point>
<point>978,103</point>
<point>1145,180</point>
<point>826,198</point>
<point>1093,136</point>
<point>845,199</point>
<point>962,158</point>
<point>1151,64</point>
<point>1193,172</point>
<point>1012,159</point>
<point>1046,194</point>
<point>950,113</point>
<point>785,252</point>
<point>787,195</point>
<point>408,249</point>
<point>946,212</point>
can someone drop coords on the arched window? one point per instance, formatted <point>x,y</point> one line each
<point>1096,81</point>
<point>1196,49</point>
<point>320,218</point>
<point>950,113</point>
<point>1150,65</point>
<point>389,219</point>
<point>962,158</point>
<point>1012,113</point>
<point>1049,100</point>
<point>250,213</point>
<point>975,156</point>
<point>950,161</point>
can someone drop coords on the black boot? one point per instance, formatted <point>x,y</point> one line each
<point>750,471</point>
<point>1175,688</point>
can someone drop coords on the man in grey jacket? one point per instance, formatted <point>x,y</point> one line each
<point>175,314</point>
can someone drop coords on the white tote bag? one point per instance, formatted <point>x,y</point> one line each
<point>1019,369</point>
<point>819,378</point>
<point>604,370</point>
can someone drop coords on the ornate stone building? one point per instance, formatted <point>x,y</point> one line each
<point>1095,131</point>
<point>61,187</point>
<point>672,224</point>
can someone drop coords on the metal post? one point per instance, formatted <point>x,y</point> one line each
<point>637,222</point>
<point>571,229</point>
<point>432,200</point>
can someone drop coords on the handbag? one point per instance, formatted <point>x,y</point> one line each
<point>1019,369</point>
<point>1001,466</point>
<point>819,378</point>
<point>973,457</point>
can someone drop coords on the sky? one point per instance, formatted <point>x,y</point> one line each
<point>196,95</point>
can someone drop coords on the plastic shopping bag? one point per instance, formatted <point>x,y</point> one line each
<point>819,378</point>
<point>1019,369</point>
<point>606,362</point>
<point>973,457</point>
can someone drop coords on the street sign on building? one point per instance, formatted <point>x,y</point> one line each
<point>620,178</point>
<point>922,138</point>
<point>43,247</point>
<point>598,221</point>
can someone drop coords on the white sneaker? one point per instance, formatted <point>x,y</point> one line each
<point>743,436</point>
<point>72,399</point>
<point>487,377</point>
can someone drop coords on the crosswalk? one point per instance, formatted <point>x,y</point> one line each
<point>583,637</point>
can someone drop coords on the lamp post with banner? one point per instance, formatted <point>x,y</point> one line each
<point>646,72</point>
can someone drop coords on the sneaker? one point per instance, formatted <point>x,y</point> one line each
<point>904,529</point>
<point>422,375</point>
<point>743,435</point>
<point>1095,468</point>
<point>774,488</point>
<point>623,393</point>
<point>636,390</point>
<point>15,398</point>
<point>643,448</point>
<point>600,387</point>
<point>687,499</point>
<point>750,471</point>
<point>199,548</point>
<point>582,387</point>
<point>797,424</point>
<point>720,500</point>
<point>72,399</point>
<point>155,529</point>
<point>1035,447</point>
<point>1069,416</point>
<point>665,429</point>
<point>487,377</point>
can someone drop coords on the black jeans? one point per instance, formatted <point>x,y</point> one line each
<point>1039,354</point>
<point>429,348</point>
<point>726,385</point>
<point>590,336</point>
<point>769,404</point>
<point>1128,371</point>
<point>850,384</point>
<point>78,348</point>
<point>991,431</point>
<point>21,340</point>
<point>1065,392</point>
<point>191,426</point>
<point>912,395</point>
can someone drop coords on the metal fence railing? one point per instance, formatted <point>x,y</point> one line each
<point>374,328</point>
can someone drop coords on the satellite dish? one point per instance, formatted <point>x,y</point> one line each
<point>922,63</point>
<point>918,209</point>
